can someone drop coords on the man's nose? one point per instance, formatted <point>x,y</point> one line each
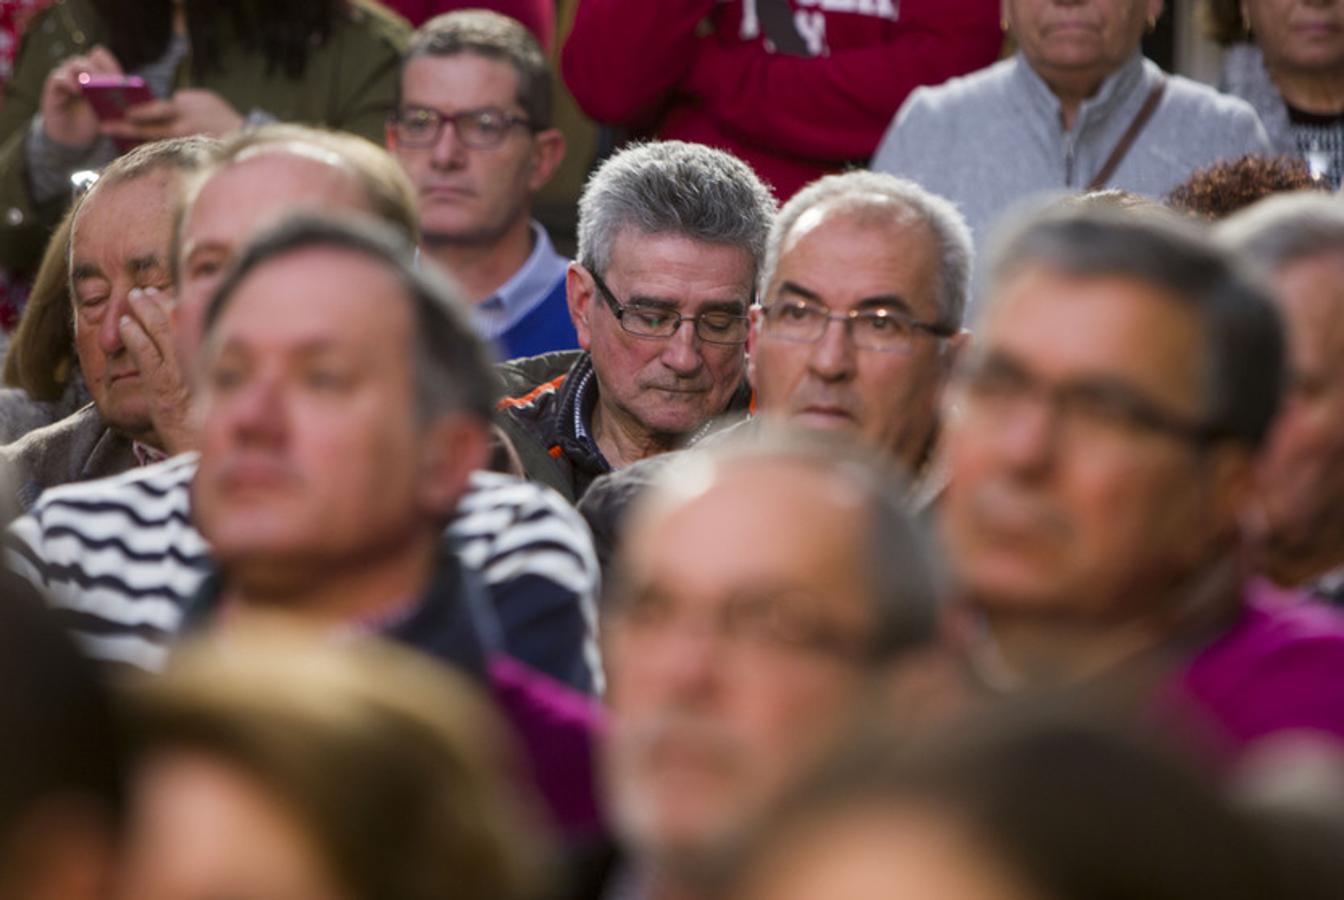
<point>687,659</point>
<point>833,356</point>
<point>109,327</point>
<point>256,411</point>
<point>1029,438</point>
<point>682,351</point>
<point>448,151</point>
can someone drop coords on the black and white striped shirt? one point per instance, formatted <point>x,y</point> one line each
<point>119,558</point>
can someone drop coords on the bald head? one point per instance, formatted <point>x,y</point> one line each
<point>244,198</point>
<point>747,611</point>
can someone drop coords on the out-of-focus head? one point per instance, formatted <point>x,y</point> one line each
<point>473,125</point>
<point>1297,36</point>
<point>60,760</point>
<point>668,229</point>
<point>895,259</point>
<point>119,240</point>
<point>263,175</point>
<point>760,587</point>
<point>1078,41</point>
<point>345,400</point>
<point>1297,243</point>
<point>1004,809</point>
<point>1100,434</point>
<point>1221,189</point>
<point>274,766</point>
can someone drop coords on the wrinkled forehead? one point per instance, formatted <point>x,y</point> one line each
<point>143,202</point>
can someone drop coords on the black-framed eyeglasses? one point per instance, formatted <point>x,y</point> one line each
<point>480,129</point>
<point>715,326</point>
<point>1091,410</point>
<point>775,620</point>
<point>884,329</point>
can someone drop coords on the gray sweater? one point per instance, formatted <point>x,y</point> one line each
<point>994,138</point>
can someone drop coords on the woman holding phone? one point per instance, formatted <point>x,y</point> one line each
<point>212,66</point>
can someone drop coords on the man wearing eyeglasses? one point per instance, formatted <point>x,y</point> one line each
<point>670,239</point>
<point>472,128</point>
<point>862,294</point>
<point>1100,452</point>
<point>768,583</point>
<point>863,291</point>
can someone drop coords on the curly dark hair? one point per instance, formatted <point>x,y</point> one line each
<point>1222,21</point>
<point>1215,192</point>
<point>284,31</point>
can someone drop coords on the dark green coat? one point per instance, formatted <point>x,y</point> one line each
<point>350,83</point>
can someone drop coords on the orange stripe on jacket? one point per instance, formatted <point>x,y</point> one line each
<point>511,402</point>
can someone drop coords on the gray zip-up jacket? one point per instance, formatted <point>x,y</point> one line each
<point>995,137</point>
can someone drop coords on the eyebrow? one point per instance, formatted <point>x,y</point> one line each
<point>737,307</point>
<point>138,265</point>
<point>876,302</point>
<point>86,270</point>
<point>209,245</point>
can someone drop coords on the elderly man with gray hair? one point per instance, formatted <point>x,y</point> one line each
<point>863,291</point>
<point>1297,243</point>
<point>670,235</point>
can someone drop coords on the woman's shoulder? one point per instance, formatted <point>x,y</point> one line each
<point>365,21</point>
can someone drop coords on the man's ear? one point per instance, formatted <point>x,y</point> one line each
<point>579,293</point>
<point>453,447</point>
<point>390,137</point>
<point>956,345</point>
<point>756,317</point>
<point>1231,481</point>
<point>548,151</point>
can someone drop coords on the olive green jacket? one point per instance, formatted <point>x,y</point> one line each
<point>350,83</point>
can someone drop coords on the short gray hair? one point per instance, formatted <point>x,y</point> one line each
<point>451,364</point>
<point>494,36</point>
<point>672,187</point>
<point>1284,229</point>
<point>1243,335</point>
<point>903,568</point>
<point>899,200</point>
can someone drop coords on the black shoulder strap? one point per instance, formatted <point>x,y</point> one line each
<point>1131,134</point>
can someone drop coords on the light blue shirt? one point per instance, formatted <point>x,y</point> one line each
<point>525,289</point>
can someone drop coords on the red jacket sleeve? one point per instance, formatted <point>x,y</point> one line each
<point>837,107</point>
<point>623,57</point>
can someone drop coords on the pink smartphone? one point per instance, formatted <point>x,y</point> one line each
<point>109,95</point>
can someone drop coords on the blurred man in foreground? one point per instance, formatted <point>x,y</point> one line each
<point>763,589</point>
<point>1100,455</point>
<point>1297,242</point>
<point>120,558</point>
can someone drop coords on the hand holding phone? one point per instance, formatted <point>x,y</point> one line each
<point>67,117</point>
<point>111,95</point>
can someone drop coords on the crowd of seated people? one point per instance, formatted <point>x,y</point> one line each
<point>925,479</point>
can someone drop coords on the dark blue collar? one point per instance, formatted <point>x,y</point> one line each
<point>452,622</point>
